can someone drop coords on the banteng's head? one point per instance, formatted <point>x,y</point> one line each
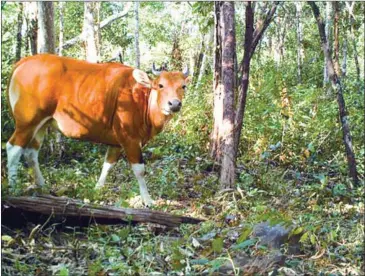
<point>170,88</point>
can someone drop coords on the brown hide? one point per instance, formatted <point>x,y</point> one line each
<point>102,103</point>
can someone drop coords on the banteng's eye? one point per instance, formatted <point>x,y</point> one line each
<point>184,87</point>
<point>160,85</point>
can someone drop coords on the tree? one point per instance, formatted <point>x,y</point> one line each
<point>299,25</point>
<point>61,7</point>
<point>252,38</point>
<point>89,32</point>
<point>18,52</point>
<point>227,173</point>
<point>217,85</point>
<point>46,40</point>
<point>136,35</point>
<point>337,86</point>
<point>106,22</point>
<point>31,17</point>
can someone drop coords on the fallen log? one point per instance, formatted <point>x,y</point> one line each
<point>65,207</point>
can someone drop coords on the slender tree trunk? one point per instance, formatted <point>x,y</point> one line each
<point>300,50</point>
<point>252,38</point>
<point>46,40</point>
<point>136,35</point>
<point>227,174</point>
<point>327,32</point>
<point>337,86</point>
<point>89,33</point>
<point>18,51</point>
<point>336,39</point>
<point>245,73</point>
<point>198,60</point>
<point>61,6</point>
<point>31,15</point>
<point>217,85</point>
<point>204,65</point>
<point>344,54</point>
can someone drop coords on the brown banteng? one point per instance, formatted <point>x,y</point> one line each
<point>107,103</point>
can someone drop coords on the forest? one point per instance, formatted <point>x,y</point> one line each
<point>265,157</point>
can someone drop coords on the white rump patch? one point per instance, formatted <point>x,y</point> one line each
<point>13,93</point>
<point>142,78</point>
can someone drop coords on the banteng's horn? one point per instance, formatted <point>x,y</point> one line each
<point>155,71</point>
<point>186,71</point>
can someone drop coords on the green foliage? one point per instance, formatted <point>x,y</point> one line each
<point>291,168</point>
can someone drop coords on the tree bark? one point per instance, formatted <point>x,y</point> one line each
<point>217,85</point>
<point>336,40</point>
<point>18,51</point>
<point>46,40</point>
<point>106,22</point>
<point>71,208</point>
<point>350,8</point>
<point>337,86</point>
<point>344,54</point>
<point>327,33</point>
<point>300,49</point>
<point>89,33</point>
<point>204,64</point>
<point>31,15</point>
<point>227,173</point>
<point>252,38</point>
<point>136,35</point>
<point>61,7</point>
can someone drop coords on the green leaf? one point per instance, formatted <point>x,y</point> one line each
<point>115,238</point>
<point>63,271</point>
<point>246,232</point>
<point>217,245</point>
<point>199,262</point>
<point>245,244</point>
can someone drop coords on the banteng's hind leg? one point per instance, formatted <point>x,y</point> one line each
<point>31,155</point>
<point>111,157</point>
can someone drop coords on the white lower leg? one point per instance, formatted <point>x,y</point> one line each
<point>104,173</point>
<point>31,156</point>
<point>139,171</point>
<point>14,153</point>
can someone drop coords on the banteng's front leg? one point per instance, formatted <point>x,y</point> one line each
<point>134,155</point>
<point>111,158</point>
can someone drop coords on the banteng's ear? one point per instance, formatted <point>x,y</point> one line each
<point>187,80</point>
<point>142,78</point>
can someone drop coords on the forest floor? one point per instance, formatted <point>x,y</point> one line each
<point>313,203</point>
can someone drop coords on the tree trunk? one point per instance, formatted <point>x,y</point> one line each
<point>136,35</point>
<point>344,54</point>
<point>336,39</point>
<point>227,174</point>
<point>61,6</point>
<point>64,207</point>
<point>337,86</point>
<point>46,40</point>
<point>203,67</point>
<point>249,14</point>
<point>89,32</point>
<point>350,8</point>
<point>31,15</point>
<point>18,51</point>
<point>198,61</point>
<point>300,49</point>
<point>217,85</point>
<point>327,32</point>
<point>252,38</point>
